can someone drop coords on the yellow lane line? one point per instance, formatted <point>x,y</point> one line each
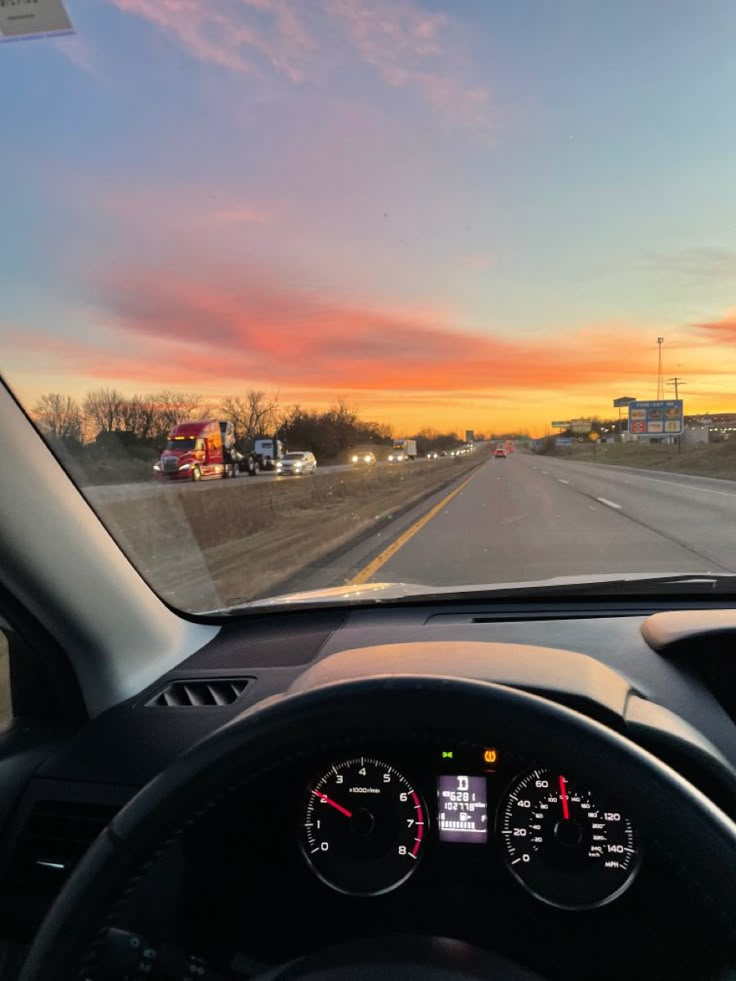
<point>380,560</point>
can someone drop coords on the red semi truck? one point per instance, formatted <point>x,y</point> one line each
<point>200,450</point>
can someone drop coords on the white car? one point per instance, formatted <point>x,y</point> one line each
<point>297,462</point>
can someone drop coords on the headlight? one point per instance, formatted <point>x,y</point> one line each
<point>367,459</point>
<point>355,459</point>
<point>156,466</point>
<point>185,466</point>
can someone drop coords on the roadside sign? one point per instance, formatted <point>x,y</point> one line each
<point>564,441</point>
<point>594,436</point>
<point>560,425</point>
<point>660,417</point>
<point>624,400</point>
<point>582,426</point>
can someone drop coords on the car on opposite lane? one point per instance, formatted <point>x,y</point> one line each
<point>297,462</point>
<point>363,460</point>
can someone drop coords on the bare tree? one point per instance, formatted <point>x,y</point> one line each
<point>59,416</point>
<point>171,408</point>
<point>104,410</point>
<point>139,416</point>
<point>253,414</point>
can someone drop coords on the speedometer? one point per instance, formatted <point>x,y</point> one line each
<point>364,826</point>
<point>564,844</point>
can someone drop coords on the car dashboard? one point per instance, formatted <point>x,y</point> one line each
<point>505,849</point>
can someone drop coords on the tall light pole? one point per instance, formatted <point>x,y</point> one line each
<point>660,380</point>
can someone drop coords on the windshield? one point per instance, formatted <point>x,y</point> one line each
<point>182,444</point>
<point>431,227</point>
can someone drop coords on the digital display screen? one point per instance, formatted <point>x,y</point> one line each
<point>462,808</point>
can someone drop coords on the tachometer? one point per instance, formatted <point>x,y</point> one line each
<point>563,844</point>
<point>364,827</point>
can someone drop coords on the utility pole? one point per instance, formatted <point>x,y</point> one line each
<point>660,380</point>
<point>675,383</point>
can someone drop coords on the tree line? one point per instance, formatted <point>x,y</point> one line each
<point>106,417</point>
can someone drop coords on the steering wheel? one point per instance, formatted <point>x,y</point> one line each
<point>698,838</point>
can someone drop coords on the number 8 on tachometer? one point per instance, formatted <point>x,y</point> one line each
<point>364,827</point>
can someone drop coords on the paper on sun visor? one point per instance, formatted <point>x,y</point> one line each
<point>33,18</point>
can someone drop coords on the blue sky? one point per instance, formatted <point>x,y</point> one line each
<point>517,197</point>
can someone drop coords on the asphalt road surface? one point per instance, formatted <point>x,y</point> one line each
<point>531,517</point>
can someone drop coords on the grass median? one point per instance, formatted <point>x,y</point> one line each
<point>705,460</point>
<point>206,549</point>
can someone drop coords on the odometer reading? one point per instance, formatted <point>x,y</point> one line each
<point>563,844</point>
<point>364,827</point>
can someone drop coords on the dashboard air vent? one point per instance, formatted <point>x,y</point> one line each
<point>200,692</point>
<point>53,840</point>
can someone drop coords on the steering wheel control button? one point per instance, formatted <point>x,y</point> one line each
<point>563,844</point>
<point>364,827</point>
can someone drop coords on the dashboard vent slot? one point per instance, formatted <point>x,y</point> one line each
<point>53,840</point>
<point>200,692</point>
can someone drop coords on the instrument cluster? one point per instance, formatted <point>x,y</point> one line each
<point>367,825</point>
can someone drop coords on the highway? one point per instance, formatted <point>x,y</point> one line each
<point>532,517</point>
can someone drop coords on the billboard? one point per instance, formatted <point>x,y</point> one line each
<point>659,417</point>
<point>624,400</point>
<point>561,424</point>
<point>581,426</point>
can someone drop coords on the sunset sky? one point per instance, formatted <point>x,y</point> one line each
<point>473,214</point>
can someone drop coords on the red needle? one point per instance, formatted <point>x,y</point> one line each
<point>333,803</point>
<point>563,798</point>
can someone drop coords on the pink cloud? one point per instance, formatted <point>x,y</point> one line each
<point>723,330</point>
<point>479,261</point>
<point>237,215</point>
<point>233,327</point>
<point>407,46</point>
<point>234,34</point>
<point>177,206</point>
<point>411,48</point>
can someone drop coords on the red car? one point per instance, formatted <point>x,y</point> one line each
<point>500,451</point>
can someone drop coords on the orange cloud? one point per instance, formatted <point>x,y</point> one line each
<point>723,330</point>
<point>177,327</point>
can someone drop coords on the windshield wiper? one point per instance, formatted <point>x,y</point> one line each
<point>635,584</point>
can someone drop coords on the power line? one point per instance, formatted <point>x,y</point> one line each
<point>675,383</point>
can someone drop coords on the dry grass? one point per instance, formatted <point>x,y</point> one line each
<point>711,460</point>
<point>206,549</point>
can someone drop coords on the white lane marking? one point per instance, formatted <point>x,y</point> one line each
<point>668,483</point>
<point>610,504</point>
<point>674,483</point>
<point>563,481</point>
